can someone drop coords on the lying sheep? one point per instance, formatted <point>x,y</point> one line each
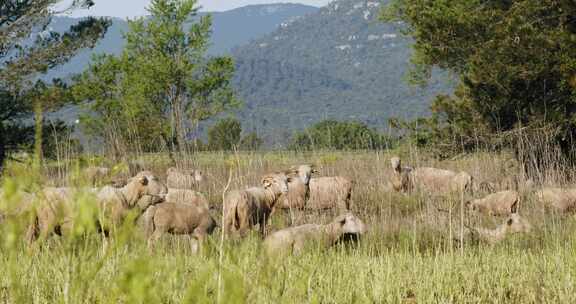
<point>561,200</point>
<point>293,240</point>
<point>243,209</point>
<point>499,203</point>
<point>184,212</point>
<point>298,188</point>
<point>513,224</point>
<point>56,212</point>
<point>400,179</point>
<point>439,180</point>
<point>330,193</point>
<point>183,179</point>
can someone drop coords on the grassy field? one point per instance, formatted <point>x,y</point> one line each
<point>407,256</point>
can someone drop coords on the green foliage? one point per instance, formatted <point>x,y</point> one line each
<point>27,51</point>
<point>160,85</point>
<point>225,134</point>
<point>332,134</point>
<point>514,60</point>
<point>251,142</point>
<point>337,63</point>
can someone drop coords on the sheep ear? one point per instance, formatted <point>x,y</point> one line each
<point>143,180</point>
<point>343,221</point>
<point>266,182</point>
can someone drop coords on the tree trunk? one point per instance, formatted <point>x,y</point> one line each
<point>2,147</point>
<point>39,123</point>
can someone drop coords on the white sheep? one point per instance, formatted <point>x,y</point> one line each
<point>499,203</point>
<point>183,179</point>
<point>294,239</point>
<point>330,193</point>
<point>441,181</point>
<point>243,209</point>
<point>513,224</point>
<point>559,199</point>
<point>400,180</point>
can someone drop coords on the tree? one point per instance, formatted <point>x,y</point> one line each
<point>251,142</point>
<point>162,84</point>
<point>338,135</point>
<point>225,135</point>
<point>27,50</point>
<point>514,60</point>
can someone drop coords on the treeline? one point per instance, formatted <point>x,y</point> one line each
<point>226,135</point>
<point>516,70</point>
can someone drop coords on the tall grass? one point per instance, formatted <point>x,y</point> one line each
<point>407,255</point>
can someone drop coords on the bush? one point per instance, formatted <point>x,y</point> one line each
<point>332,134</point>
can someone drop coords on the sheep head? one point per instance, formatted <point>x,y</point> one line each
<point>145,183</point>
<point>350,224</point>
<point>517,224</point>
<point>277,182</point>
<point>304,172</point>
<point>197,175</point>
<point>396,163</point>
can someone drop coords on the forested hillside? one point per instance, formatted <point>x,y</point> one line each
<point>338,63</point>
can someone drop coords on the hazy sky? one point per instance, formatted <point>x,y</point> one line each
<point>132,8</point>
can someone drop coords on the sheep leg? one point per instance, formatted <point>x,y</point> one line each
<point>153,239</point>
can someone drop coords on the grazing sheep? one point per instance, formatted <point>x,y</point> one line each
<point>330,193</point>
<point>439,180</point>
<point>293,240</point>
<point>562,200</point>
<point>243,209</point>
<point>179,218</point>
<point>184,196</point>
<point>183,179</point>
<point>513,224</point>
<point>96,175</point>
<point>400,179</point>
<point>499,203</point>
<point>298,188</point>
<point>56,212</point>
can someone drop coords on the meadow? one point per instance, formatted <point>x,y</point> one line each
<point>409,255</point>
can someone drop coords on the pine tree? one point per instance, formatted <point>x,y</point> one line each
<point>28,50</point>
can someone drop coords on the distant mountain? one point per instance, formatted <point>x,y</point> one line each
<point>340,62</point>
<point>230,29</point>
<point>236,27</point>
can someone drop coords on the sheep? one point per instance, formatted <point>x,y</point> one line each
<point>243,209</point>
<point>330,193</point>
<point>513,224</point>
<point>183,212</point>
<point>439,180</point>
<point>562,200</point>
<point>400,179</point>
<point>499,203</point>
<point>183,179</point>
<point>15,205</point>
<point>298,189</point>
<point>96,175</point>
<point>293,240</point>
<point>55,215</point>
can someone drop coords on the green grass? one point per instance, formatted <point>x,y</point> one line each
<point>406,257</point>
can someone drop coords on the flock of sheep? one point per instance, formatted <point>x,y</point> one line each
<point>178,208</point>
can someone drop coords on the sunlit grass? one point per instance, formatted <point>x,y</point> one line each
<point>407,255</point>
